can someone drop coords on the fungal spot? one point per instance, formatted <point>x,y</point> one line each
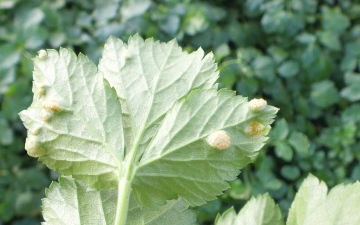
<point>42,54</point>
<point>127,54</point>
<point>40,89</point>
<point>51,105</point>
<point>254,128</point>
<point>45,115</point>
<point>33,147</point>
<point>35,131</point>
<point>257,104</point>
<point>219,140</point>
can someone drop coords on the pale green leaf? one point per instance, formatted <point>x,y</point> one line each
<point>149,77</point>
<point>284,151</point>
<point>72,202</point>
<point>280,130</point>
<point>227,218</point>
<point>174,212</point>
<point>164,130</point>
<point>300,142</point>
<point>258,211</point>
<point>179,161</point>
<point>74,123</point>
<point>313,205</point>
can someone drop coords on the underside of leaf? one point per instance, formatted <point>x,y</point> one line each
<point>261,210</point>
<point>150,118</point>
<point>179,161</point>
<point>75,119</point>
<point>72,202</point>
<point>313,205</point>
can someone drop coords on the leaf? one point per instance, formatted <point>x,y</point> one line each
<point>72,202</point>
<point>7,76</point>
<point>333,20</point>
<point>6,133</point>
<point>134,8</point>
<point>330,40</point>
<point>264,67</point>
<point>288,69</point>
<point>176,135</point>
<point>280,130</point>
<point>299,142</point>
<point>173,160</point>
<point>274,21</point>
<point>259,210</point>
<point>312,204</point>
<point>278,53</point>
<point>247,87</point>
<point>175,212</point>
<point>351,114</point>
<point>290,172</point>
<point>324,94</point>
<point>74,121</point>
<point>351,91</point>
<point>9,56</point>
<point>284,151</point>
<point>16,98</point>
<point>160,74</point>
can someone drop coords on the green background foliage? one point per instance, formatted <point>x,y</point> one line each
<point>302,56</point>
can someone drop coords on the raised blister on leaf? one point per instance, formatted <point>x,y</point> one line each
<point>51,105</point>
<point>219,140</point>
<point>45,115</point>
<point>40,89</point>
<point>42,54</point>
<point>33,147</point>
<point>35,131</point>
<point>257,104</point>
<point>127,54</point>
<point>255,128</point>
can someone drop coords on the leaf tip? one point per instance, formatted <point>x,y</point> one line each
<point>33,147</point>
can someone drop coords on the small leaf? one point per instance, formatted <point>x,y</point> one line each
<point>280,130</point>
<point>313,206</point>
<point>72,202</point>
<point>259,210</point>
<point>284,151</point>
<point>6,133</point>
<point>278,53</point>
<point>264,68</point>
<point>351,91</point>
<point>330,40</point>
<point>333,20</point>
<point>247,87</point>
<point>174,212</point>
<point>324,94</point>
<point>288,69</point>
<point>290,172</point>
<point>299,142</point>
<point>351,114</point>
<point>9,56</point>
<point>80,128</point>
<point>222,51</point>
<point>7,76</point>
